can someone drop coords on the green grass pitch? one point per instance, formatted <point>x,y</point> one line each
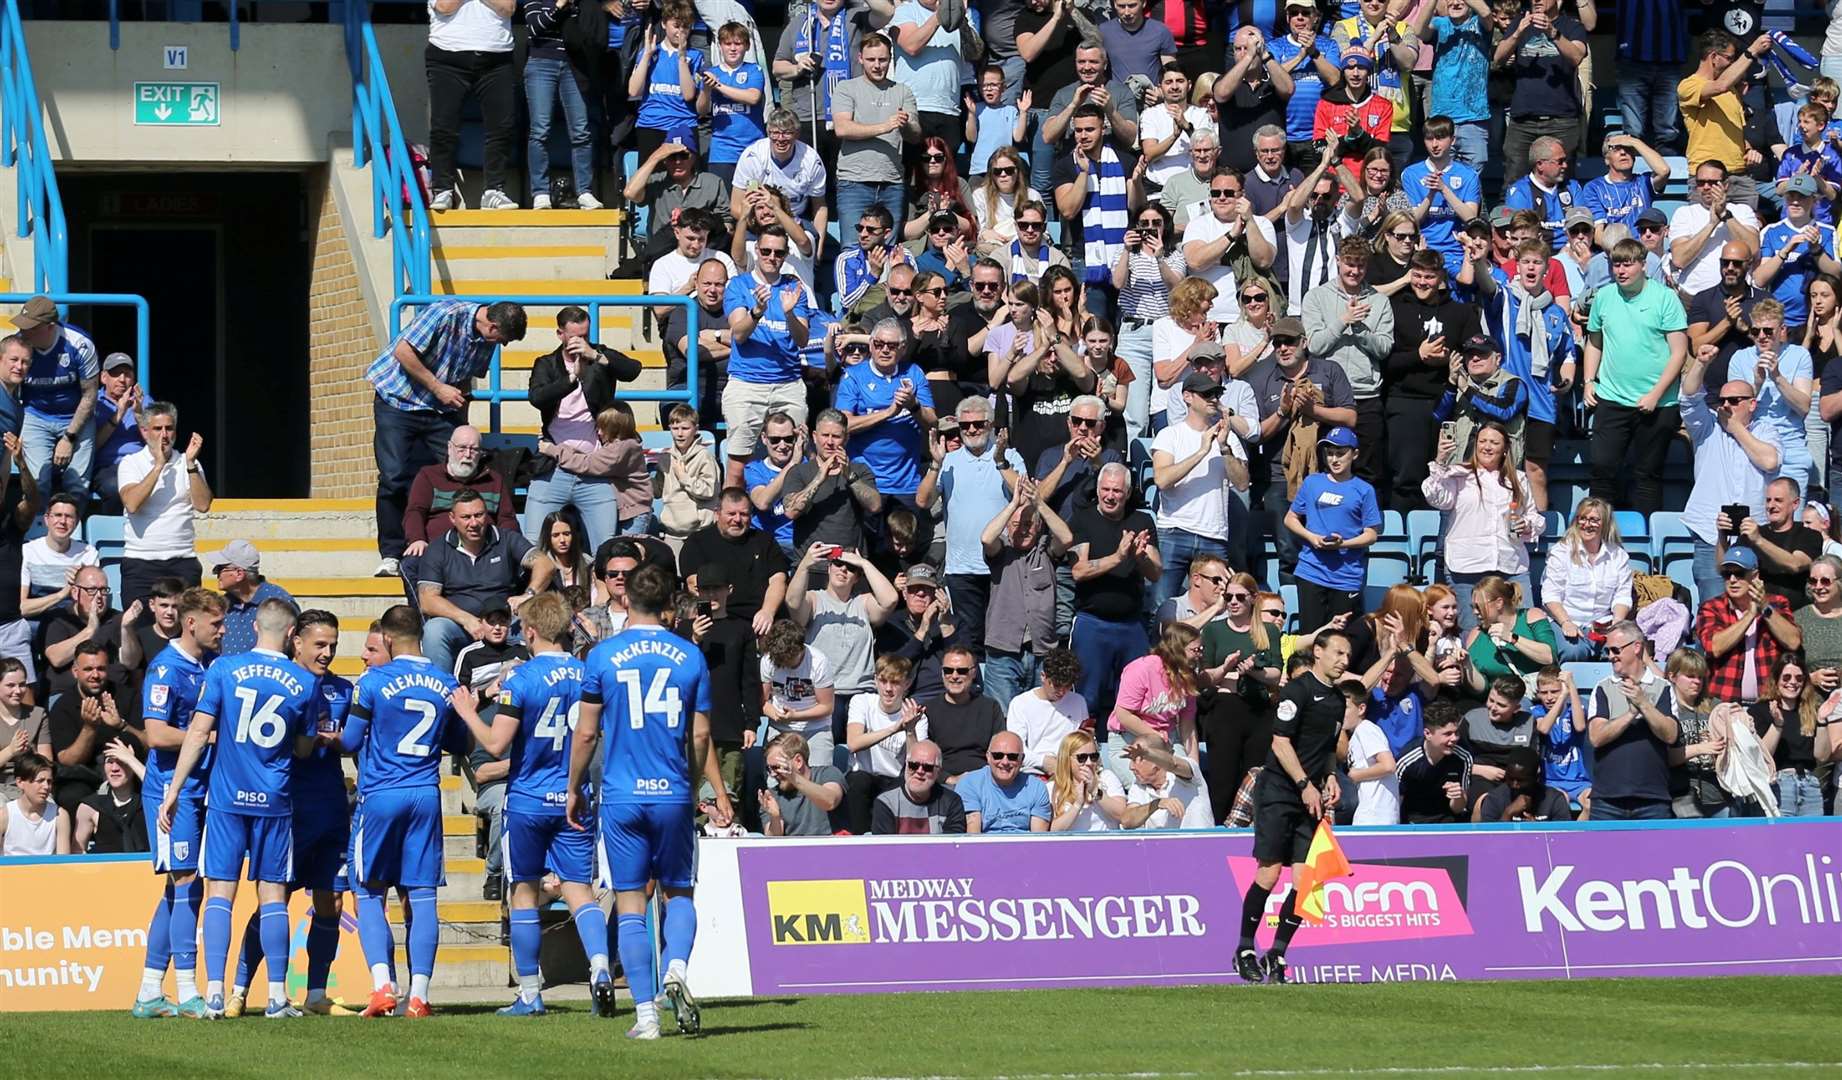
<point>1746,1027</point>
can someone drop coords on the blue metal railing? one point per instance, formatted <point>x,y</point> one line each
<point>142,314</point>
<point>22,147</point>
<point>377,140</point>
<point>495,393</point>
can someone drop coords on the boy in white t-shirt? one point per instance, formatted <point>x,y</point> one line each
<point>1371,765</point>
<point>877,731</point>
<point>1043,716</point>
<point>49,564</point>
<point>796,690</point>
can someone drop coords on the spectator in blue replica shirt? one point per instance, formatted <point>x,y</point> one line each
<point>1783,377</point>
<point>737,93</point>
<point>1314,64</point>
<point>118,427</point>
<point>769,317</point>
<point>766,479</point>
<point>1621,195</point>
<point>59,398</point>
<point>890,407</point>
<point>421,383</point>
<point>1546,188</point>
<point>1538,348</point>
<point>1337,517</point>
<point>1459,33</point>
<point>1652,47</point>
<point>1813,156</point>
<point>239,577</point>
<point>1001,798</point>
<point>1795,249</point>
<point>666,77</point>
<point>1446,192</point>
<point>15,361</point>
<point>865,265</point>
<point>975,482</point>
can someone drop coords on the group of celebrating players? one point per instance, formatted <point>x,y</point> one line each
<point>245,767</point>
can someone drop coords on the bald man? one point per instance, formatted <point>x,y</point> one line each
<point>1001,797</point>
<point>1721,314</point>
<point>1733,465</point>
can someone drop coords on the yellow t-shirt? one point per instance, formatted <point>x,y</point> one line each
<point>1715,124</point>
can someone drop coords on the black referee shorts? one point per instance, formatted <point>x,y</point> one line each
<point>1282,826</point>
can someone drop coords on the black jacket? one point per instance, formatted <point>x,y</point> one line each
<point>1404,372</point>
<point>550,384</point>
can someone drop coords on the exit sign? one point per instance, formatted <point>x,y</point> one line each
<point>176,104</point>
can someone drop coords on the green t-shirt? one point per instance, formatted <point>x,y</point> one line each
<point>1634,349</point>
<point>1493,663</point>
<point>1219,639</point>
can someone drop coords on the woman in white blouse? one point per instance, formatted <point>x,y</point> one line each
<point>1587,580</point>
<point>1490,518</point>
<point>1084,797</point>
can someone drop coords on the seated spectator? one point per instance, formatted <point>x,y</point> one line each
<point>1560,724</point>
<point>766,479</point>
<point>1338,516</point>
<point>1524,794</point>
<point>616,460</point>
<point>862,269</point>
<point>766,206</point>
<point>829,498</point>
<point>1795,737</point>
<point>49,564</point>
<point>1494,730</point>
<point>1490,521</point>
<point>58,398</point>
<point>160,492</point>
<point>1083,796</point>
<point>962,722</point>
<point>934,189</point>
<point>427,516</point>
<point>757,571</point>
<point>1631,724</point>
<point>927,631</point>
<point>112,822</point>
<point>1000,798</point>
<point>781,161</point>
<point>118,430</point>
<point>1507,638</point>
<point>801,799</point>
<point>1587,582</point>
<point>840,619</point>
<point>1167,790</point>
<point>238,569</point>
<point>1785,546</point>
<point>22,725</point>
<point>921,804</point>
<point>1370,763</point>
<point>84,721</point>
<point>881,728</point>
<point>1022,544</point>
<point>1158,693</point>
<point>1652,232</point>
<point>15,361</point>
<point>687,479</point>
<point>1821,622</point>
<point>88,617</point>
<point>1733,465</point>
<point>796,689</point>
<point>674,270</point>
<point>32,824</point>
<point>1042,716</point>
<point>1435,776</point>
<point>562,560</point>
<point>472,569</point>
<point>898,303</point>
<point>1205,601</point>
<point>769,317</point>
<point>1743,629</point>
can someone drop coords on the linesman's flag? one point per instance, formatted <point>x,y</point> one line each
<point>1323,862</point>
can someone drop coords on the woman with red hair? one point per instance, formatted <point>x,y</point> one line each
<point>935,187</point>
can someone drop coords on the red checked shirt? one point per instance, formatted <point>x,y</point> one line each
<point>1727,673</point>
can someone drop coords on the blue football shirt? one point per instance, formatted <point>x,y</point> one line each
<point>544,693</point>
<point>261,701</point>
<point>170,694</point>
<point>399,720</point>
<point>648,681</point>
<point>319,781</point>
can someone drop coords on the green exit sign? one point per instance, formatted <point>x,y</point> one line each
<point>176,104</point>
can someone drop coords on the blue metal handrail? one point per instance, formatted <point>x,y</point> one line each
<point>496,393</point>
<point>142,315</point>
<point>22,147</point>
<point>377,140</point>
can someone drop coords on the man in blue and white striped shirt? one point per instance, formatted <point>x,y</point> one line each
<point>422,382</point>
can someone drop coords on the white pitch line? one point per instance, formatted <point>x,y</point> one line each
<point>1517,1070</point>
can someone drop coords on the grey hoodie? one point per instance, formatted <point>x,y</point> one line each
<point>1360,348</point>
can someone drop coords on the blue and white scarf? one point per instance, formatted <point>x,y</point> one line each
<point>1027,267</point>
<point>1104,218</point>
<point>836,54</point>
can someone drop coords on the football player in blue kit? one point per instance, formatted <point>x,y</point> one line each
<point>263,699</point>
<point>537,710</point>
<point>399,723</point>
<point>645,679</point>
<point>322,821</point>
<point>169,694</point>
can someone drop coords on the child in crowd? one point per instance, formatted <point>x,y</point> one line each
<point>992,125</point>
<point>667,74</point>
<point>877,732</point>
<point>1370,761</point>
<point>734,93</point>
<point>620,460</point>
<point>688,476</point>
<point>796,689</point>
<point>1558,716</point>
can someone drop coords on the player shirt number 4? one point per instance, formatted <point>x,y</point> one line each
<point>648,681</point>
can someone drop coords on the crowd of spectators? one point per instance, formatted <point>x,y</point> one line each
<point>1040,343</point>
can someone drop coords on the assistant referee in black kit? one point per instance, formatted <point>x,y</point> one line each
<point>1296,787</point>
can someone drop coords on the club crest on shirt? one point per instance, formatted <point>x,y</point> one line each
<point>157,695</point>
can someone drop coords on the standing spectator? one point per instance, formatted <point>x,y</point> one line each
<point>1313,63</point>
<point>1250,102</point>
<point>1794,250</point>
<point>769,322</point>
<point>974,483</point>
<point>840,620</point>
<point>666,79</point>
<point>1337,516</point>
<point>1744,629</point>
<point>421,384</point>
<point>1713,112</point>
<point>1269,181</point>
<point>1115,556</point>
<point>873,115</point>
<point>1621,195</point>
<point>1158,694</point>
<point>118,429</point>
<point>862,269</point>
<point>1781,373</point>
<point>570,387</point>
<point>464,575</point>
<point>1164,130</point>
<point>1295,392</point>
<point>1587,581</point>
<point>1813,154</point>
<point>470,53</point>
<point>1229,244</point>
<point>688,475</point>
<point>737,93</point>
<point>1021,544</point>
<point>1537,339</point>
<point>1794,737</point>
<point>238,569</point>
<point>889,406</point>
<point>1637,342</point>
<point>993,126</point>
<point>928,61</point>
<point>59,399</point>
<point>1136,45</point>
<point>1490,519</point>
<point>1631,724</point>
<point>550,72</point>
<point>1459,33</point>
<point>921,803</point>
<point>1193,464</point>
<point>802,797</point>
<point>829,498</point>
<point>1094,194</point>
<point>1428,326</point>
<point>1546,190</point>
<point>1351,325</point>
<point>1732,465</point>
<point>617,459</point>
<point>1543,54</point>
<point>1560,721</point>
<point>1001,798</point>
<point>1446,192</point>
<point>766,479</point>
<point>1361,117</point>
<point>1701,232</point>
<point>757,571</point>
<point>160,491</point>
<point>817,51</point>
<point>1652,47</point>
<point>17,512</point>
<point>1050,61</point>
<point>1382,33</point>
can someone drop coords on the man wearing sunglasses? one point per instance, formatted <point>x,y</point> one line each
<point>968,487</point>
<point>1721,314</point>
<point>1229,243</point>
<point>1632,726</point>
<point>864,268</point>
<point>770,315</point>
<point>1001,797</point>
<point>1732,466</point>
<point>921,805</point>
<point>1703,227</point>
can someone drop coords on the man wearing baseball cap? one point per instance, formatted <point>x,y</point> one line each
<point>239,577</point>
<point>1336,516</point>
<point>118,427</point>
<point>59,397</point>
<point>1483,392</point>
<point>1355,111</point>
<point>1194,462</point>
<point>1795,249</point>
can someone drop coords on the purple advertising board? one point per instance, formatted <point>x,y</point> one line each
<point>1427,904</point>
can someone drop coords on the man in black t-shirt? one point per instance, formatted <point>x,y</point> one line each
<point>84,721</point>
<point>1115,556</point>
<point>962,723</point>
<point>1721,315</point>
<point>1435,775</point>
<point>711,347</point>
<point>88,617</point>
<point>1785,546</point>
<point>728,645</point>
<point>1296,788</point>
<point>757,569</point>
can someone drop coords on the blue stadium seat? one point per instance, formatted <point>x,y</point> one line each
<point>102,528</point>
<point>1289,594</point>
<point>1682,572</point>
<point>1669,538</point>
<point>113,569</point>
<point>1587,675</point>
<point>1423,528</point>
<point>1635,532</point>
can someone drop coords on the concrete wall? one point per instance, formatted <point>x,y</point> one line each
<point>341,344</point>
<point>283,91</point>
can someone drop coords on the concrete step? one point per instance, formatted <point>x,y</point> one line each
<point>522,264</point>
<point>349,598</point>
<point>445,221</point>
<point>455,846</point>
<point>466,876</point>
<point>257,520</point>
<point>463,923</point>
<point>465,965</point>
<point>319,557</point>
<point>519,286</point>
